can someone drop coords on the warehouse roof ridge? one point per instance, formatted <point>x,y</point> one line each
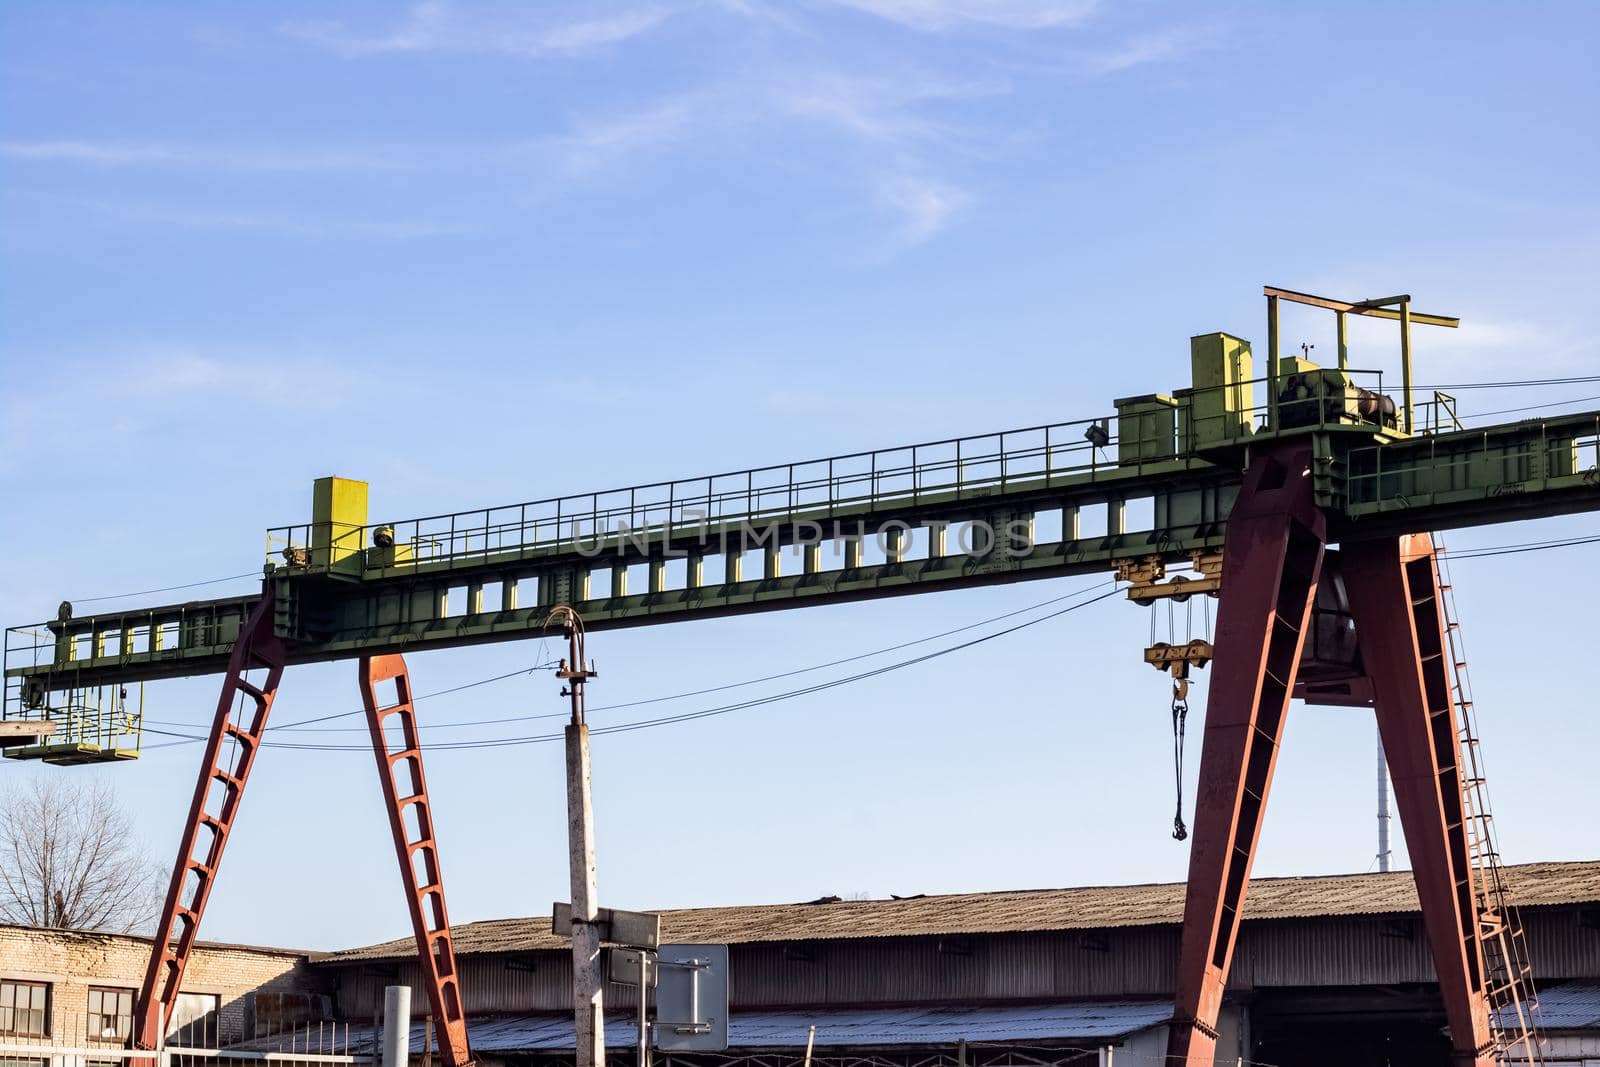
<point>210,946</point>
<point>1014,911</point>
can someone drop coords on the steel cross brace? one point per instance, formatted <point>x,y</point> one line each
<point>1272,563</point>
<point>395,744</point>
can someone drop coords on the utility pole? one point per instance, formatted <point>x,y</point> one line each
<point>1383,808</point>
<point>588,996</point>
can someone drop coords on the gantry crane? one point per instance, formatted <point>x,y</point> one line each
<point>1267,471</point>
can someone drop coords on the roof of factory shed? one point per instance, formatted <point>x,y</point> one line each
<point>839,1028</point>
<point>1018,911</point>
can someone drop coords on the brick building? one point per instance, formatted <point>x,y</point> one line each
<point>72,988</point>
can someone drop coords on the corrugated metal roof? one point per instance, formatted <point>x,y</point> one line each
<point>1575,1006</point>
<point>1089,908</point>
<point>839,1028</point>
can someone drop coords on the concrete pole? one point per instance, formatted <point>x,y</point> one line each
<point>587,1001</point>
<point>644,1009</point>
<point>588,983</point>
<point>1383,808</point>
<point>396,1026</point>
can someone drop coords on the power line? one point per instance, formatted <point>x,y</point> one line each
<point>1517,383</point>
<point>1534,407</point>
<point>689,693</point>
<point>1511,550</point>
<point>164,589</point>
<point>642,724</point>
<point>363,711</point>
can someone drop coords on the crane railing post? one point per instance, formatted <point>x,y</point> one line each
<point>1405,362</point>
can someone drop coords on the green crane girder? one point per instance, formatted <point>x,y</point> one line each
<point>494,574</point>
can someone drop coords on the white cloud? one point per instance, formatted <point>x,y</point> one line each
<point>881,118</point>
<point>890,110</point>
<point>203,157</point>
<point>1161,46</point>
<point>940,15</point>
<point>434,26</point>
<point>924,206</point>
<point>595,140</point>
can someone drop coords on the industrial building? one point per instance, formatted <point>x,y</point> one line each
<point>1330,970</point>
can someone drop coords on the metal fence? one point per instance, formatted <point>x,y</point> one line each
<point>100,1038</point>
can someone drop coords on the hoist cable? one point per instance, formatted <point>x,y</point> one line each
<point>1180,716</point>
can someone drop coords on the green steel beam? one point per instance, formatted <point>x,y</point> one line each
<point>494,579</point>
<point>327,616</point>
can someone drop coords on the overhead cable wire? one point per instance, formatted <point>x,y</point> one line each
<point>705,713</point>
<point>363,711</point>
<point>1517,383</point>
<point>1512,550</point>
<point>1534,407</point>
<point>642,724</point>
<point>163,589</point>
<point>688,693</point>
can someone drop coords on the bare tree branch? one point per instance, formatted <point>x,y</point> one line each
<point>69,858</point>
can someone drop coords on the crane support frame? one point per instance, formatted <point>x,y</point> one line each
<point>395,744</point>
<point>1271,564</point>
<point>1395,599</point>
<point>231,748</point>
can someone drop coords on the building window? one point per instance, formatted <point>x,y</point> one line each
<point>22,1009</point>
<point>110,1013</point>
<point>193,1023</point>
<point>14,1062</point>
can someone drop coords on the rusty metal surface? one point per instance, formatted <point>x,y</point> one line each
<point>395,744</point>
<point>241,717</point>
<point>1394,596</point>
<point>1271,562</point>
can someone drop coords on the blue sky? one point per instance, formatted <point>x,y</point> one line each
<point>479,253</point>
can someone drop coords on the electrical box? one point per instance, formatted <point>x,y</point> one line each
<point>1222,404</point>
<point>338,523</point>
<point>1147,428</point>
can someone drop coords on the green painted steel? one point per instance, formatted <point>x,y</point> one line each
<point>1157,479</point>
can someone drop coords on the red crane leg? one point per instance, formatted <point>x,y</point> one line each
<point>411,819</point>
<point>1394,599</point>
<point>241,717</point>
<point>1272,558</point>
